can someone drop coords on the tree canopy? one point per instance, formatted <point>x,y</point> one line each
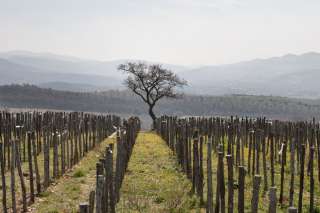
<point>151,82</point>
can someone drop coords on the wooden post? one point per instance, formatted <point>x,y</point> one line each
<point>302,154</point>
<point>195,165</point>
<point>185,148</point>
<point>292,171</point>
<point>55,156</point>
<point>255,193</point>
<point>209,178</point>
<point>91,201</point>
<point>238,141</point>
<point>264,164</point>
<point>311,205</point>
<point>272,160</point>
<point>258,142</point>
<point>119,165</point>
<point>283,160</point>
<point>292,210</point>
<point>22,183</point>
<point>30,168</point>
<point>63,152</point>
<point>230,184</point>
<point>241,182</point>
<point>272,200</point>
<point>46,164</point>
<point>3,180</point>
<point>99,193</point>
<point>249,151</point>
<point>13,183</point>
<point>220,197</point>
<point>109,160</point>
<point>35,160</point>
<point>200,185</point>
<point>84,208</point>
<point>318,152</point>
<point>67,140</point>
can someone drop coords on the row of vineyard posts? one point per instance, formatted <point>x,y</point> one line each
<point>257,149</point>
<point>109,175</point>
<point>41,146</point>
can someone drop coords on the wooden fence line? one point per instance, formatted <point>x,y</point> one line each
<point>110,175</point>
<point>269,143</point>
<point>25,137</point>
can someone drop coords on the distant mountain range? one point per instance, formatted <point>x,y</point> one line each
<point>289,75</point>
<point>62,72</point>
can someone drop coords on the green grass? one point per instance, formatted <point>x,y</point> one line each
<point>153,181</point>
<point>79,173</point>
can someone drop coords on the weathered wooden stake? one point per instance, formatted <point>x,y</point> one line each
<point>22,183</point>
<point>292,210</point>
<point>302,154</point>
<point>91,201</point>
<point>241,182</point>
<point>255,193</point>
<point>99,193</point>
<point>311,204</point>
<point>35,160</point>
<point>209,178</point>
<point>84,208</point>
<point>46,164</point>
<point>292,171</point>
<point>272,200</point>
<point>13,183</point>
<point>3,180</point>
<point>200,185</point>
<point>283,160</point>
<point>230,183</point>
<point>30,168</point>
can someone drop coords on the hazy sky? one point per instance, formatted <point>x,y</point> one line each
<point>171,31</point>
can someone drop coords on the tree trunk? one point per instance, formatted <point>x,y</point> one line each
<point>152,115</point>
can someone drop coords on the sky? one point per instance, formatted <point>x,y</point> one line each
<point>186,32</point>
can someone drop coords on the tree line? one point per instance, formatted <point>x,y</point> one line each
<point>124,102</point>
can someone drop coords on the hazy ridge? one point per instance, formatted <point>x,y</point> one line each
<point>289,75</point>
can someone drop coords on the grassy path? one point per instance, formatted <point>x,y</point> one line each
<point>66,193</point>
<point>153,182</point>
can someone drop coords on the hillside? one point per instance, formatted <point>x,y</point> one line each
<point>123,102</point>
<point>289,75</point>
<point>53,71</point>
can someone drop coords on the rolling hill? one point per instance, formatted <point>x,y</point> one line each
<point>289,75</point>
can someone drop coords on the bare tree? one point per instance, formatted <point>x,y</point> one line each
<point>151,83</point>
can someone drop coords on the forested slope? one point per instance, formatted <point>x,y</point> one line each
<point>123,102</point>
